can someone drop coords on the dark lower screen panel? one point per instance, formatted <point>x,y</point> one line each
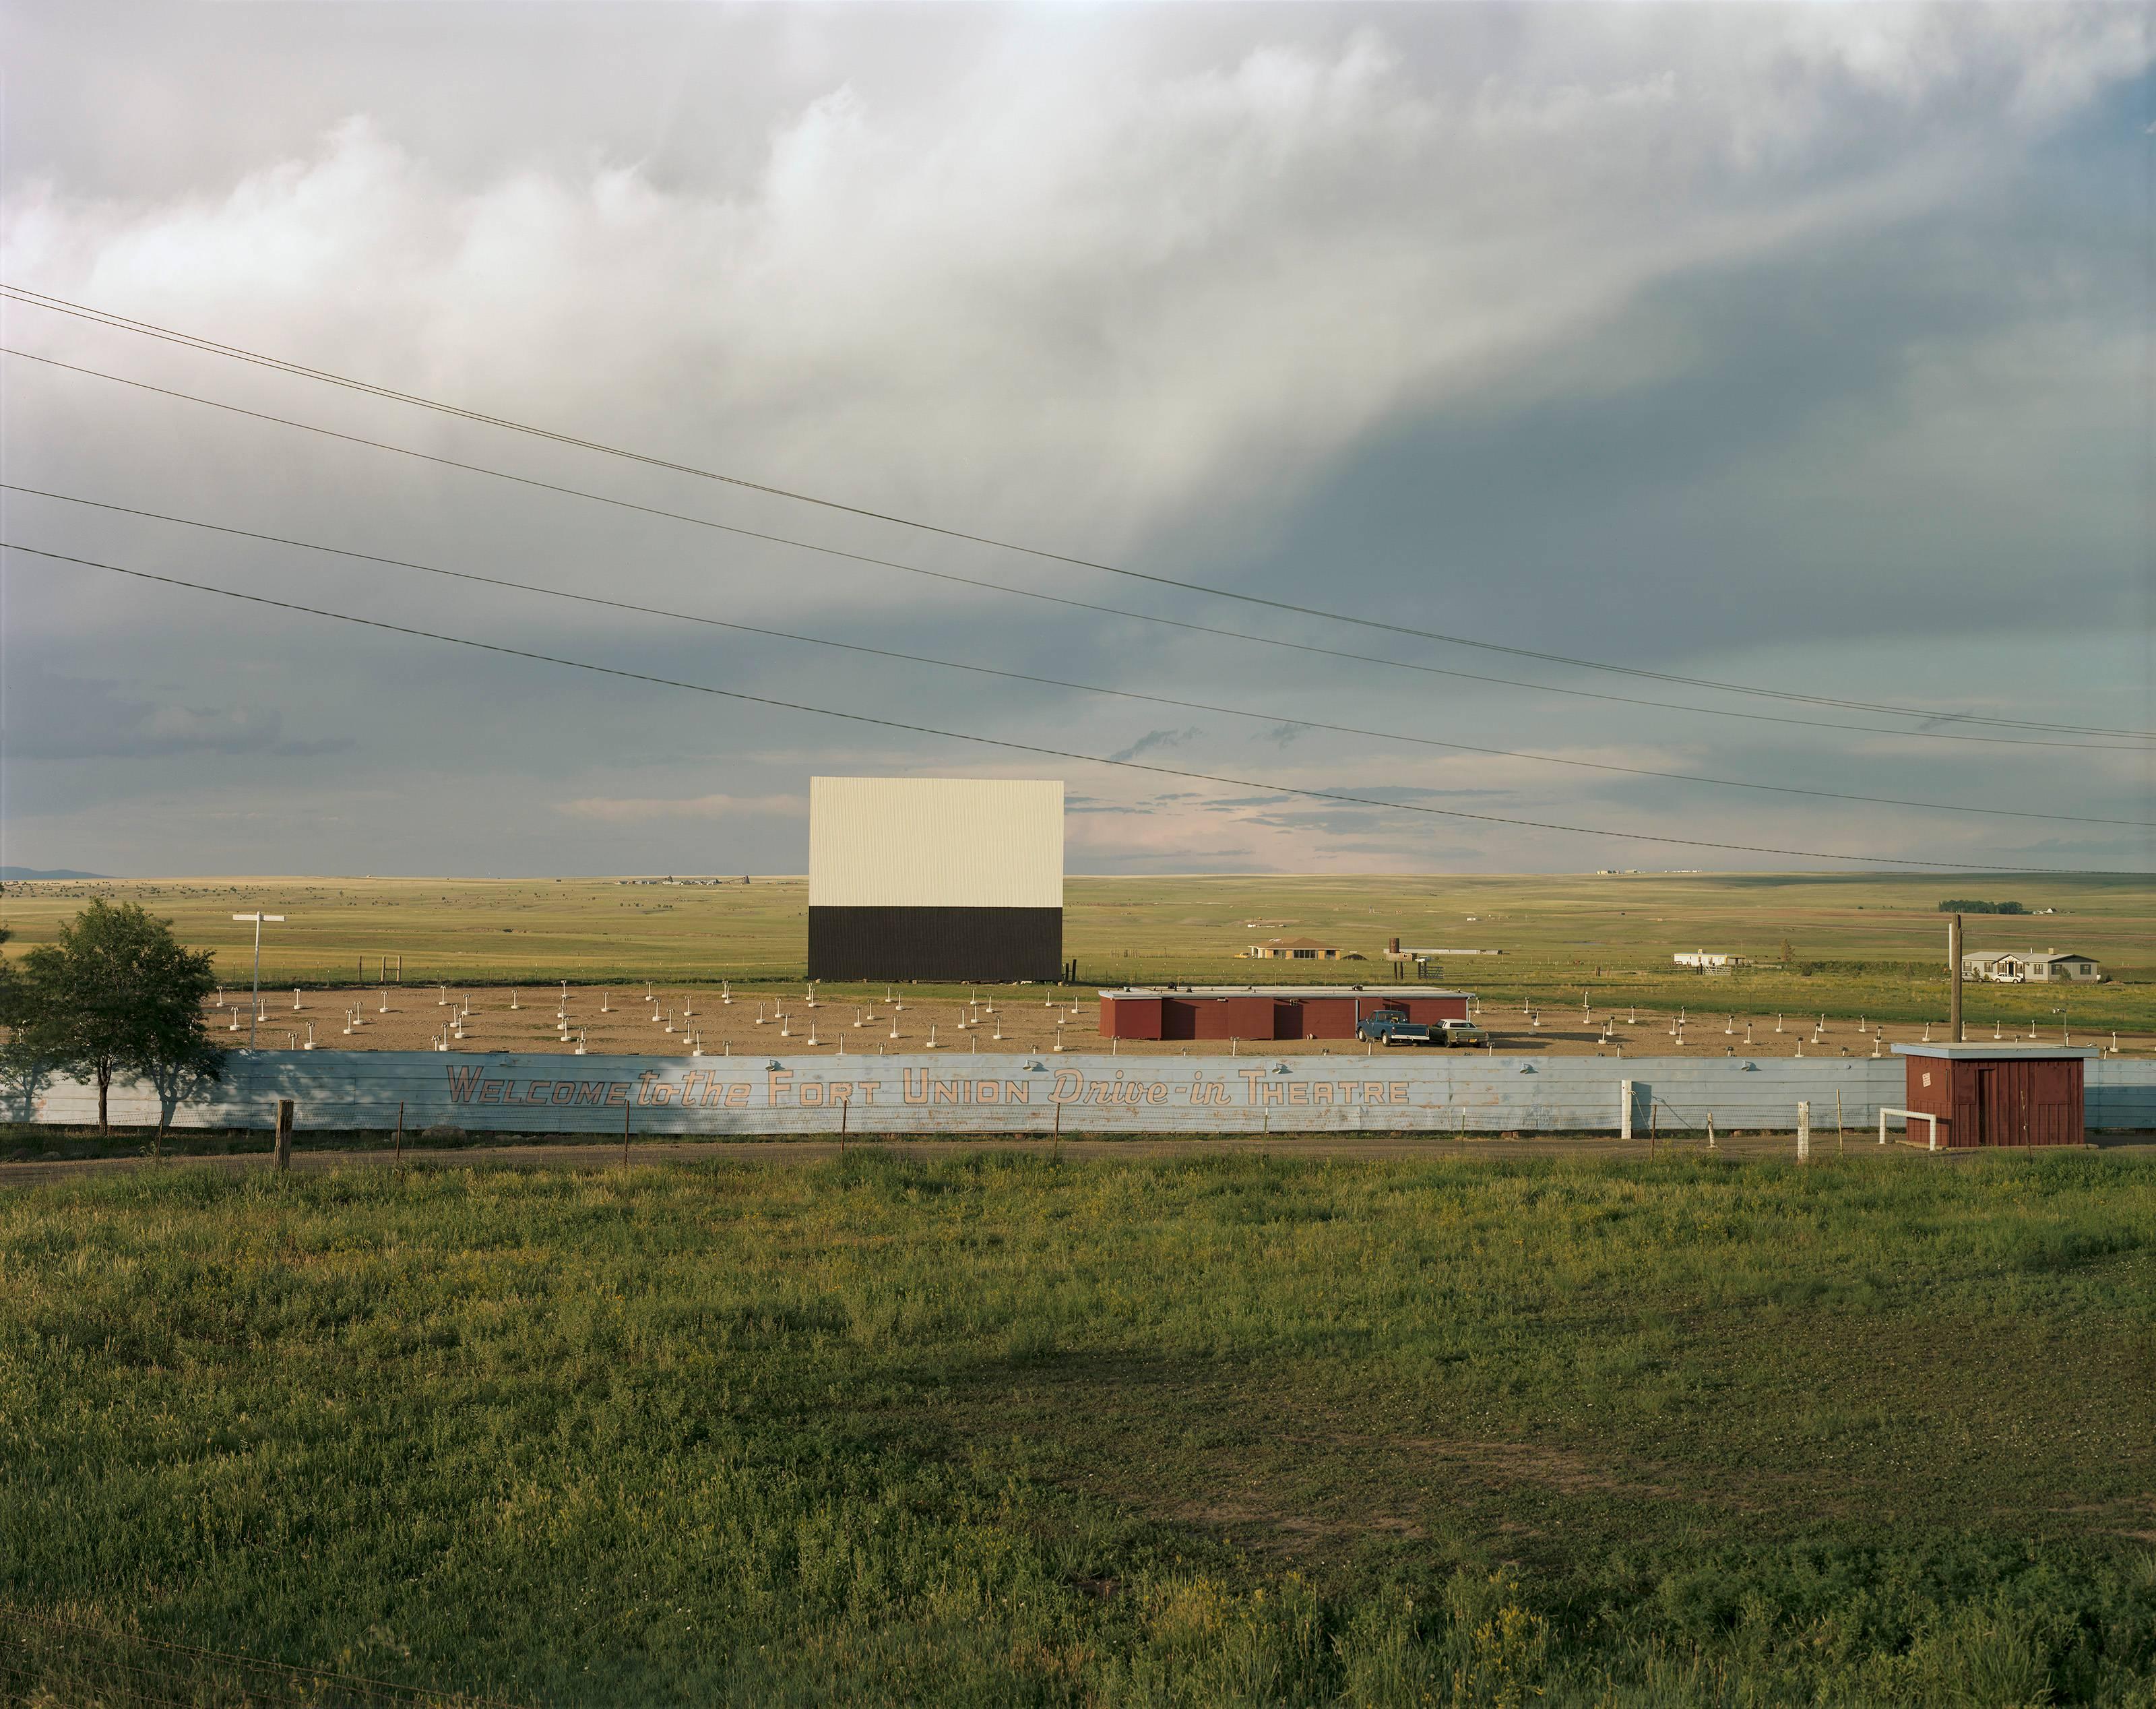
<point>988,945</point>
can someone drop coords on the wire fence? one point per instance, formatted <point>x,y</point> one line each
<point>51,1661</point>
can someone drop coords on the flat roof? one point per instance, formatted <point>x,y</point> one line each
<point>2001,1051</point>
<point>1284,990</point>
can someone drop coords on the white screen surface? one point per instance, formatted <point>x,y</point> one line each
<point>935,843</point>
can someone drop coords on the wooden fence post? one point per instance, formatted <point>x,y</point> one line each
<point>400,1133</point>
<point>284,1133</point>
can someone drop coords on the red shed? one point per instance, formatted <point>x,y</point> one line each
<point>1222,1011</point>
<point>1999,1094</point>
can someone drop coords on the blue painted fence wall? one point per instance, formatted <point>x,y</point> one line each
<point>966,1093</point>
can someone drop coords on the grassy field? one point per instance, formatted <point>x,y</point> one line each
<point>1856,946</point>
<point>1225,1430</point>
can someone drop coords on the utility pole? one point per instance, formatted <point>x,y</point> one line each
<point>254,1013</point>
<point>1954,959</point>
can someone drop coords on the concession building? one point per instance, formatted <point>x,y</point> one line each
<point>935,878</point>
<point>1999,1094</point>
<point>1268,1011</point>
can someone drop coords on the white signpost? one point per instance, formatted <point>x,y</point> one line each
<point>258,919</point>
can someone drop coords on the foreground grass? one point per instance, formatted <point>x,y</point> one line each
<point>993,1431</point>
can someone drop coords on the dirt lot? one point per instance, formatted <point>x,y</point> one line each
<point>618,1019</point>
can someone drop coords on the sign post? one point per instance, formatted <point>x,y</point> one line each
<point>255,1014</point>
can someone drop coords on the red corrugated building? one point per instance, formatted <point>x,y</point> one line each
<point>1226,1011</point>
<point>1998,1094</point>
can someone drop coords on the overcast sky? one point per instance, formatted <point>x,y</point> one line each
<point>1805,348</point>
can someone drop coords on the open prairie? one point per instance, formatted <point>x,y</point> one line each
<point>991,1430</point>
<point>1843,945</point>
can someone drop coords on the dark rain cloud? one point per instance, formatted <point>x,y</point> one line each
<point>1796,346</point>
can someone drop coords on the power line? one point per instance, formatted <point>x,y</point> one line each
<point>1270,718</point>
<point>1278,789</point>
<point>1053,599</point>
<point>213,347</point>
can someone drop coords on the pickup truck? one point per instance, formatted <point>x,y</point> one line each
<point>1389,1030</point>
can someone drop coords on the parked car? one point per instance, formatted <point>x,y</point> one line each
<point>1391,1029</point>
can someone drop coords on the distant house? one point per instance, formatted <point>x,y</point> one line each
<point>1293,949</point>
<point>2033,967</point>
<point>1705,960</point>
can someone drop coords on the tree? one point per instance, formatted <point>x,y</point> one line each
<point>119,997</point>
<point>21,1076</point>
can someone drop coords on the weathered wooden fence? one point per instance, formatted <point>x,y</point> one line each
<point>526,1094</point>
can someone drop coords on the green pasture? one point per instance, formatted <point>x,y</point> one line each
<point>1855,944</point>
<point>1230,1430</point>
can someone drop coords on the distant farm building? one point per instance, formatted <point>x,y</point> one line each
<point>1217,1012</point>
<point>2033,967</point>
<point>1293,949</point>
<point>1395,952</point>
<point>1425,961</point>
<point>1708,960</point>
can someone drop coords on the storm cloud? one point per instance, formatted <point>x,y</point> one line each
<point>1783,346</point>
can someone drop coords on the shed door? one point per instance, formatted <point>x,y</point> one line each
<point>2057,1094</point>
<point>2004,1103</point>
